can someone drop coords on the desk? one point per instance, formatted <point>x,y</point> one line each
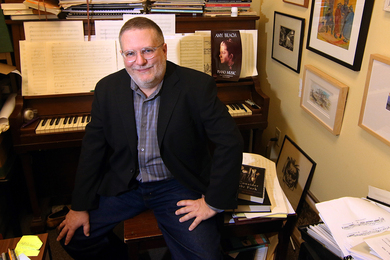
<point>280,204</point>
<point>12,242</point>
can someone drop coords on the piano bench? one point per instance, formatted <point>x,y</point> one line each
<point>142,233</point>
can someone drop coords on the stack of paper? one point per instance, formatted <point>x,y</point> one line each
<point>360,227</point>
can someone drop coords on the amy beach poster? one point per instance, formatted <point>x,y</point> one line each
<point>338,30</point>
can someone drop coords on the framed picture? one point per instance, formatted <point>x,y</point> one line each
<point>295,170</point>
<point>304,3</point>
<point>324,98</point>
<point>338,30</point>
<point>386,7</point>
<point>287,40</point>
<point>375,110</point>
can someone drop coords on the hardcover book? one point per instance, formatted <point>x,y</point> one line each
<point>250,206</point>
<point>252,183</point>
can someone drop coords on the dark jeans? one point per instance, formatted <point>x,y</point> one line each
<point>201,243</point>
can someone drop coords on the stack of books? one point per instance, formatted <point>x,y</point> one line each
<point>186,7</point>
<point>252,194</point>
<point>28,10</point>
<point>223,8</point>
<point>101,9</point>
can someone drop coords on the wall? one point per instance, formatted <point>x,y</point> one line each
<point>348,163</point>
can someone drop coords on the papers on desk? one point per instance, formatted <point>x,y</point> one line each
<point>359,226</point>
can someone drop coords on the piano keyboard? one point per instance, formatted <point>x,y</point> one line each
<point>62,124</point>
<point>238,109</point>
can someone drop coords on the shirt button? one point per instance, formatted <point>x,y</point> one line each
<point>142,149</point>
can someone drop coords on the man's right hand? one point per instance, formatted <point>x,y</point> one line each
<point>73,220</point>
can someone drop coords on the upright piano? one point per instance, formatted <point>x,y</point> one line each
<point>54,108</point>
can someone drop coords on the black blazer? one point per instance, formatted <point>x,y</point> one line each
<point>190,115</point>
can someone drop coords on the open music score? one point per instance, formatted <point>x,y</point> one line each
<point>62,124</point>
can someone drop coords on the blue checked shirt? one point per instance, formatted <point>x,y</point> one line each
<point>151,166</point>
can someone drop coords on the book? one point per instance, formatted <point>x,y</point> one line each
<point>24,11</point>
<point>34,17</point>
<point>13,6</point>
<point>50,6</point>
<point>240,244</point>
<point>252,183</point>
<point>226,54</point>
<point>250,206</point>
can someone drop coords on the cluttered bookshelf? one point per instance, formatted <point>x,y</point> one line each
<point>103,9</point>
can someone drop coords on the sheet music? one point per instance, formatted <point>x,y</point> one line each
<point>191,52</point>
<point>173,48</point>
<point>249,53</point>
<point>167,22</point>
<point>67,67</point>
<point>352,219</point>
<point>109,30</point>
<point>54,31</point>
<point>34,67</point>
<point>206,50</point>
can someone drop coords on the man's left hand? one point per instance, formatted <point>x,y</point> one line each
<point>197,209</point>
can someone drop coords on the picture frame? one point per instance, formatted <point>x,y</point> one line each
<point>339,42</point>
<point>303,3</point>
<point>295,170</point>
<point>324,98</point>
<point>375,110</point>
<point>386,6</point>
<point>287,40</point>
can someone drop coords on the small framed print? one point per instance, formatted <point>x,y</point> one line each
<point>287,40</point>
<point>303,3</point>
<point>338,30</point>
<point>375,110</point>
<point>295,170</point>
<point>324,98</point>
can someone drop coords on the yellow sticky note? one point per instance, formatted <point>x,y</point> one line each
<point>29,245</point>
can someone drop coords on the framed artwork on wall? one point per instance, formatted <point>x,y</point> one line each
<point>288,40</point>
<point>338,30</point>
<point>324,98</point>
<point>375,110</point>
<point>386,7</point>
<point>303,3</point>
<point>295,170</point>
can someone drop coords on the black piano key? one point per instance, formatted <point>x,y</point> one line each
<point>242,107</point>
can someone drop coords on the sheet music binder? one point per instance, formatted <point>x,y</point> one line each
<point>322,251</point>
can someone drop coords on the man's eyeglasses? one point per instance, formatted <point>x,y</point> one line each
<point>147,53</point>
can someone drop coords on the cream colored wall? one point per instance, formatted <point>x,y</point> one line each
<point>348,163</point>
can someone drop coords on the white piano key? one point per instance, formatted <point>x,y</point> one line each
<point>41,126</point>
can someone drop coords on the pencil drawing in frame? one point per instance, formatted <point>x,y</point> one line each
<point>375,110</point>
<point>386,6</point>
<point>303,3</point>
<point>338,30</point>
<point>295,170</point>
<point>288,40</point>
<point>324,98</point>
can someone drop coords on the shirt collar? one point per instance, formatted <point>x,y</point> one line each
<point>136,89</point>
